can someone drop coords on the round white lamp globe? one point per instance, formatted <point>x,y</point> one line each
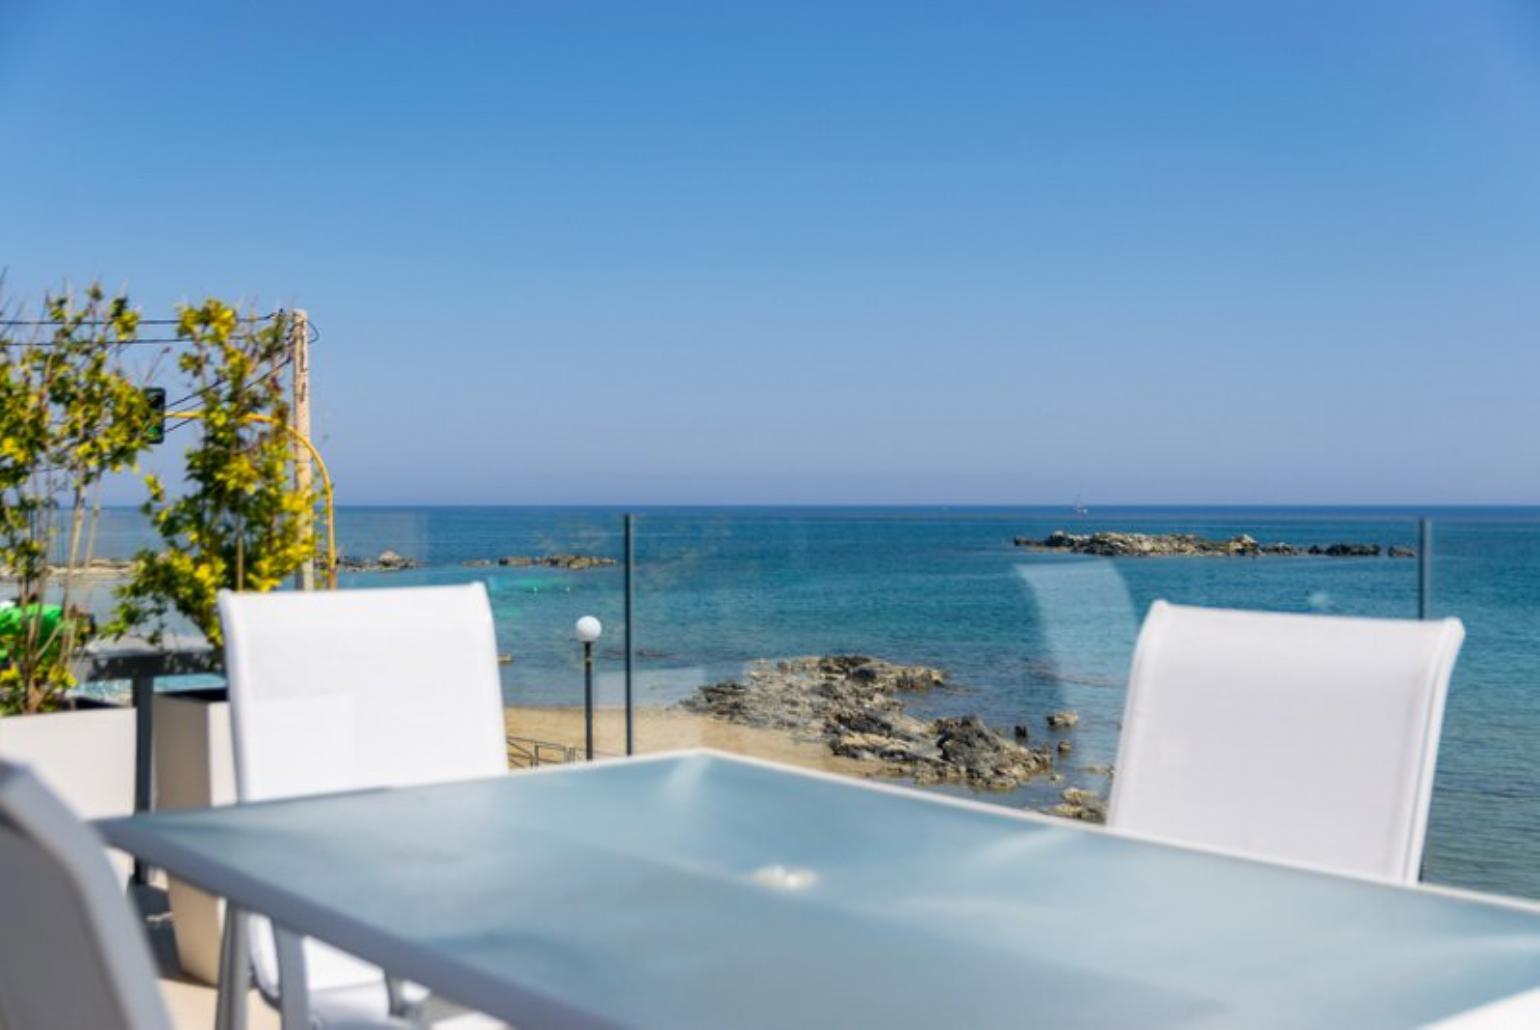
<point>588,629</point>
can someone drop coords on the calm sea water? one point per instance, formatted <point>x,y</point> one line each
<point>1020,633</point>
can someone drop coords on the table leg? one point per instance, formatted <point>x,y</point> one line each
<point>234,973</point>
<point>293,985</point>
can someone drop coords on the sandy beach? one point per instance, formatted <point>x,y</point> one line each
<point>669,729</point>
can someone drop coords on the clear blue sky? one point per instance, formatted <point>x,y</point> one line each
<point>824,253</point>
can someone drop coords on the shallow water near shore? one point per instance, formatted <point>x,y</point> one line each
<point>1021,633</point>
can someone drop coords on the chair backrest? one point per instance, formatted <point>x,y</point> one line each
<point>350,689</point>
<point>71,953</point>
<point>1308,739</point>
<point>354,689</point>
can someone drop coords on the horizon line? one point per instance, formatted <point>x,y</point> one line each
<point>975,506</point>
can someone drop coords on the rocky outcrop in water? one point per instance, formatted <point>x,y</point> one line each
<point>99,567</point>
<point>104,568</point>
<point>386,561</point>
<point>575,562</point>
<point>390,561</point>
<point>1153,545</point>
<point>1085,805</point>
<point>853,703</point>
<point>1141,545</point>
<point>1348,550</point>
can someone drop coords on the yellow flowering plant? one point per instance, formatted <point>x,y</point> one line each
<point>239,522</point>
<point>70,413</point>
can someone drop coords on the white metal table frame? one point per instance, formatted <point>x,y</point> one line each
<point>400,957</point>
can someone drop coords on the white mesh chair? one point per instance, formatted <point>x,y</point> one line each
<point>347,690</point>
<point>1307,739</point>
<point>71,952</point>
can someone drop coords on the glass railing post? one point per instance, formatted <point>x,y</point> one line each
<point>1424,568</point>
<point>630,598</point>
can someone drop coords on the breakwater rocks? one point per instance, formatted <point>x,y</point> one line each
<point>549,561</point>
<point>100,567</point>
<point>390,561</point>
<point>386,561</point>
<point>1152,545</point>
<point>854,704</point>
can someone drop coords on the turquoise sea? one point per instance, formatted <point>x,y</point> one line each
<point>1021,633</point>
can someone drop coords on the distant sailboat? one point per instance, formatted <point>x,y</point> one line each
<point>1080,509</point>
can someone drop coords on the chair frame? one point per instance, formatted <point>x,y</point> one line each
<point>37,815</point>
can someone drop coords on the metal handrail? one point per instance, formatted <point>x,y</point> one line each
<point>533,752</point>
<point>529,750</point>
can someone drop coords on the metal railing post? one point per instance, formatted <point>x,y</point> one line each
<point>1424,568</point>
<point>588,700</point>
<point>630,523</point>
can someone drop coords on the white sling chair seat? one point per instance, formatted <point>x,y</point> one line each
<point>1307,739</point>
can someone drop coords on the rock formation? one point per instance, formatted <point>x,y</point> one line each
<point>1144,545</point>
<point>1062,720</point>
<point>1153,545</point>
<point>1076,803</point>
<point>1349,551</point>
<point>557,561</point>
<point>852,702</point>
<point>386,561</point>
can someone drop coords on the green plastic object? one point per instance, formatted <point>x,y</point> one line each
<point>15,621</point>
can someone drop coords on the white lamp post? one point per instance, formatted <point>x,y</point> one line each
<point>588,629</point>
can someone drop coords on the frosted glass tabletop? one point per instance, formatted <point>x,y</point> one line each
<point>699,890</point>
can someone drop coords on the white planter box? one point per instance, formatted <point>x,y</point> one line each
<point>194,768</point>
<point>85,756</point>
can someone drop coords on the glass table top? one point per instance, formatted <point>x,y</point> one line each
<point>699,890</point>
